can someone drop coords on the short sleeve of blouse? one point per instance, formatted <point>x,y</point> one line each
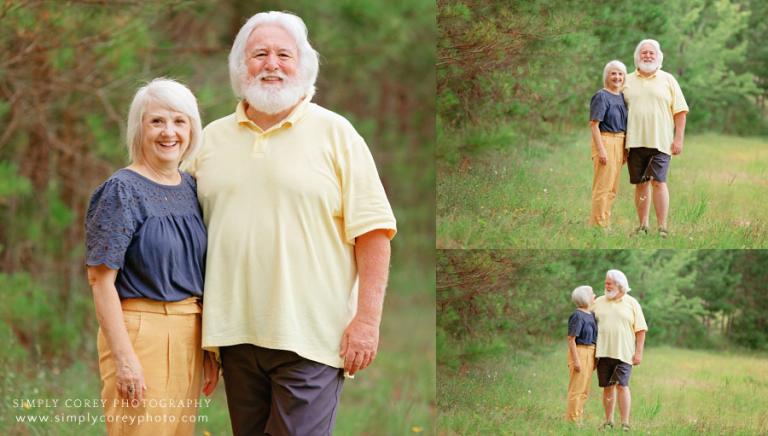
<point>109,225</point>
<point>575,325</point>
<point>597,107</point>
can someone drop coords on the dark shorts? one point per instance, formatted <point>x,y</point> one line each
<point>647,163</point>
<point>612,372</point>
<point>278,392</point>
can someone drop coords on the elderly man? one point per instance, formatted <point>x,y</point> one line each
<point>655,131</point>
<point>620,341</point>
<point>298,238</point>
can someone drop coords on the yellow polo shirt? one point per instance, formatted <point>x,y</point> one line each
<point>617,322</point>
<point>283,208</point>
<point>651,103</point>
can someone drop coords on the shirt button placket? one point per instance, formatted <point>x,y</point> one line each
<point>259,141</point>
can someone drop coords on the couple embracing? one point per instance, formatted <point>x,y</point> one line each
<point>637,119</point>
<point>279,222</point>
<point>607,334</point>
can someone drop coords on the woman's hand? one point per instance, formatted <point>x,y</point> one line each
<point>130,379</point>
<point>602,156</point>
<point>210,373</point>
<point>128,370</point>
<point>577,366</point>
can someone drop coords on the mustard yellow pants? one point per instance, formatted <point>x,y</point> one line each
<point>578,387</point>
<point>605,184</point>
<point>166,337</point>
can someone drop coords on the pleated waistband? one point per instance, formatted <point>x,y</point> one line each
<point>190,305</point>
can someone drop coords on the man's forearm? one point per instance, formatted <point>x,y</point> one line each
<point>680,119</point>
<point>639,342</point>
<point>372,253</point>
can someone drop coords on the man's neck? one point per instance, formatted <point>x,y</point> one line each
<point>644,74</point>
<point>263,120</point>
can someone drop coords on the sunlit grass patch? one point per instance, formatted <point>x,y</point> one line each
<point>539,197</point>
<point>674,391</point>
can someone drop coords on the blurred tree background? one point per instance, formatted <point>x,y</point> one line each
<point>522,72</point>
<point>489,302</point>
<point>68,70</point>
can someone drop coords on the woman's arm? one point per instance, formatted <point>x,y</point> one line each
<point>574,353</point>
<point>601,153</point>
<point>110,317</point>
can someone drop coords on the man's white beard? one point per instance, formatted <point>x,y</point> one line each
<point>648,67</point>
<point>272,99</point>
<point>611,295</point>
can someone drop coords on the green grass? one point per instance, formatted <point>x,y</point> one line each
<point>538,196</point>
<point>674,392</point>
<point>396,395</point>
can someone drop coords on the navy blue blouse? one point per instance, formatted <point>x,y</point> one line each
<point>584,327</point>
<point>152,234</point>
<point>610,110</point>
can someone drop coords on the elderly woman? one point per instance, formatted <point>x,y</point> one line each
<point>582,336</point>
<point>608,121</point>
<point>620,344</point>
<point>145,254</point>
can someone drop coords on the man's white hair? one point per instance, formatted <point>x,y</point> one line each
<point>617,64</point>
<point>582,296</point>
<point>656,46</point>
<point>308,63</point>
<point>619,278</point>
<point>169,94</point>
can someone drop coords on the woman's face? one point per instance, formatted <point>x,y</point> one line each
<point>615,78</point>
<point>165,135</point>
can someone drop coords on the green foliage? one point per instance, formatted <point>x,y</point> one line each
<point>11,183</point>
<point>36,321</point>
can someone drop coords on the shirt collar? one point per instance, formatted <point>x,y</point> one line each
<point>288,121</point>
<point>637,73</point>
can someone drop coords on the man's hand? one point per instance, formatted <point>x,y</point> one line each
<point>637,358</point>
<point>359,344</point>
<point>677,147</point>
<point>677,143</point>
<point>624,156</point>
<point>210,373</point>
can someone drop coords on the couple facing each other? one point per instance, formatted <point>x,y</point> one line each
<point>607,334</point>
<point>279,215</point>
<point>638,119</point>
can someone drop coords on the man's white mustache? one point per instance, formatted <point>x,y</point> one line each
<point>262,76</point>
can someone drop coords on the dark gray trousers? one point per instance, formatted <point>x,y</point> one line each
<point>278,392</point>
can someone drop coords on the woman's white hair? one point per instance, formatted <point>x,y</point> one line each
<point>656,46</point>
<point>582,296</point>
<point>619,278</point>
<point>308,62</point>
<point>617,64</point>
<point>169,94</point>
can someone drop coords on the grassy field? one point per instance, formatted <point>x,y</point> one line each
<point>396,395</point>
<point>674,392</point>
<point>539,196</point>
